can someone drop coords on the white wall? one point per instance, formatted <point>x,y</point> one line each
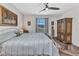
<point>32,18</point>
<point>13,9</point>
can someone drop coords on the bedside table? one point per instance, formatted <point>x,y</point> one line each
<point>25,31</point>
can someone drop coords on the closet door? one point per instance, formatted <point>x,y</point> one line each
<point>62,29</point>
<point>69,30</point>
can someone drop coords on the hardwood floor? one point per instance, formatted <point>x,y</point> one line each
<point>67,49</point>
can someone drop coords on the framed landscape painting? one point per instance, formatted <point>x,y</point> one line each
<point>8,18</point>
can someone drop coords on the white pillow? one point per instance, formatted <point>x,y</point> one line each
<point>8,30</point>
<point>6,35</point>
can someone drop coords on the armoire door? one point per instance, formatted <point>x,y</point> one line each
<point>69,30</point>
<point>58,29</point>
<point>62,29</point>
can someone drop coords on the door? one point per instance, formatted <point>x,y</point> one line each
<point>42,25</point>
<point>69,30</point>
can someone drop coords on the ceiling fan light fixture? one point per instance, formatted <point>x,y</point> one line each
<point>49,8</point>
<point>46,8</point>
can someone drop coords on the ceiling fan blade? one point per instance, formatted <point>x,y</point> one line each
<point>53,8</point>
<point>45,3</point>
<point>43,9</point>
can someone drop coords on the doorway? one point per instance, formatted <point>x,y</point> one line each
<point>42,25</point>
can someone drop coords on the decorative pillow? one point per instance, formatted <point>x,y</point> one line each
<point>18,33</point>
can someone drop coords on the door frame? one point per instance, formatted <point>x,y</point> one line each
<point>46,22</point>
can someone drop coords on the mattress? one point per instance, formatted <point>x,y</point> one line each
<point>29,44</point>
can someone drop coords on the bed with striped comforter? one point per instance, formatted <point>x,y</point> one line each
<point>29,44</point>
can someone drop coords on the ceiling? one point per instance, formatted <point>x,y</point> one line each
<point>35,8</point>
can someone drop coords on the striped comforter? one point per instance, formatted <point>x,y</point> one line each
<point>29,44</point>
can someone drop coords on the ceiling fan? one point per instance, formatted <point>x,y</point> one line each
<point>47,7</point>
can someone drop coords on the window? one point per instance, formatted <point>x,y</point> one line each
<point>41,25</point>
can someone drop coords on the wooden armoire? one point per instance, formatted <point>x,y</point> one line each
<point>64,30</point>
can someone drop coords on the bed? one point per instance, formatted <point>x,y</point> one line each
<point>29,44</point>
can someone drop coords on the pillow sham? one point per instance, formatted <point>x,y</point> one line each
<point>6,36</point>
<point>8,30</point>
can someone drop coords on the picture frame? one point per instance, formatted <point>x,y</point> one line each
<point>8,18</point>
<point>52,22</point>
<point>29,23</point>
